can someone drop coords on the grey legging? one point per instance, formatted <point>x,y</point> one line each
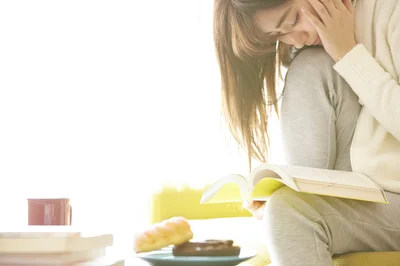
<point>318,116</point>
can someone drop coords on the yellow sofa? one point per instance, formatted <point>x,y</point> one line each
<point>211,220</point>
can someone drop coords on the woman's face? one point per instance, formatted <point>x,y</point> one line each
<point>289,24</point>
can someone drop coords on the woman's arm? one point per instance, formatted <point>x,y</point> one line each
<point>376,88</point>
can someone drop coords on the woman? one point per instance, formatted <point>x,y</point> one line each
<point>340,110</point>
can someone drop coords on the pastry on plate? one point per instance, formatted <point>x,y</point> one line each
<point>173,231</point>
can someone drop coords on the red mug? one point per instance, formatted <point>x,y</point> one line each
<point>49,212</point>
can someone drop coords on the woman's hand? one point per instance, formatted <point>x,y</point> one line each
<point>335,26</point>
<point>255,207</point>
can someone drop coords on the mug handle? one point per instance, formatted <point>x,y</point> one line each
<point>70,215</point>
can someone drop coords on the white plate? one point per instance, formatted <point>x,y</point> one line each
<point>166,258</point>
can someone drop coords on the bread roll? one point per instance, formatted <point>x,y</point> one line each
<point>173,231</point>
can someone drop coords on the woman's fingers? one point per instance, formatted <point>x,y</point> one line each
<point>315,22</point>
<point>321,10</point>
<point>343,5</point>
<point>329,5</point>
<point>349,5</point>
<point>255,207</point>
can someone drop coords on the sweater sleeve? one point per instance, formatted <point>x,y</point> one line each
<point>377,89</point>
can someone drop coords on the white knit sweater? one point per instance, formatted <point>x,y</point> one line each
<point>372,70</point>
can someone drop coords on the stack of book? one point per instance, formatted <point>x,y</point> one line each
<point>45,246</point>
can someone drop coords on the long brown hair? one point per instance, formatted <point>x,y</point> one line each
<point>250,64</point>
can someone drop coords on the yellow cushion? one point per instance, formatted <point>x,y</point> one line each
<point>185,201</point>
<point>368,259</point>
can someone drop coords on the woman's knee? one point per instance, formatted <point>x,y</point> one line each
<point>280,203</point>
<point>310,73</point>
<point>312,59</point>
<point>287,206</point>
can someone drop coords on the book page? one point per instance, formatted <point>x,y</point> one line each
<point>227,189</point>
<point>332,177</point>
<point>265,187</point>
<point>272,171</point>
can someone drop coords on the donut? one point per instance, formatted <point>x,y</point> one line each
<point>207,248</point>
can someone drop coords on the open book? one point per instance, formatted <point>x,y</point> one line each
<point>267,178</point>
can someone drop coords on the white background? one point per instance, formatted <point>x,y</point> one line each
<point>101,101</point>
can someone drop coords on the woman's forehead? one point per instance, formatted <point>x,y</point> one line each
<point>268,20</point>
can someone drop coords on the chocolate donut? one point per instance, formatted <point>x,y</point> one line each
<point>208,247</point>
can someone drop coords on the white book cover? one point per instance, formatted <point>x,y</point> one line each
<point>52,259</point>
<point>39,241</point>
<point>99,262</point>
